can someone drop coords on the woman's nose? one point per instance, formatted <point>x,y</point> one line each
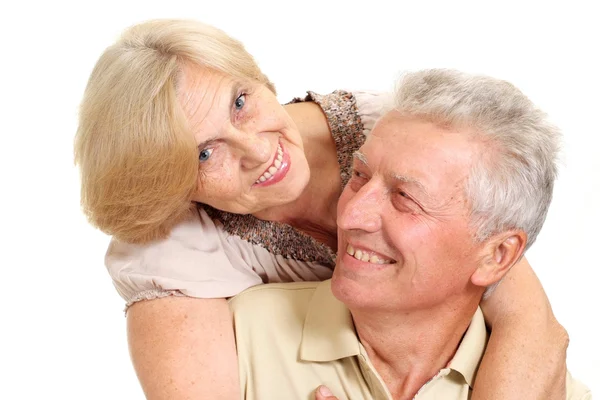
<point>254,148</point>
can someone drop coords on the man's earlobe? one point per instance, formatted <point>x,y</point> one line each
<point>501,252</point>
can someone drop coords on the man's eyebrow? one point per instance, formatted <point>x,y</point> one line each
<point>360,157</point>
<point>410,180</point>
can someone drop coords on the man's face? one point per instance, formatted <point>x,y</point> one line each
<point>404,240</point>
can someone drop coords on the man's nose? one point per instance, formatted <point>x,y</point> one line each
<point>361,210</point>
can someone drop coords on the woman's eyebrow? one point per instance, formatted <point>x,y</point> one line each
<point>205,143</point>
<point>235,90</point>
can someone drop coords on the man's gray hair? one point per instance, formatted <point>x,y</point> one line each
<point>510,186</point>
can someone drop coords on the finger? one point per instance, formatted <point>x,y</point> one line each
<point>323,393</point>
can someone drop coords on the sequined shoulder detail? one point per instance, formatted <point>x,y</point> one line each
<point>345,125</point>
<point>277,238</point>
<point>281,239</point>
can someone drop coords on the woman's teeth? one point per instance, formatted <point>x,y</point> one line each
<point>274,167</point>
<point>363,255</point>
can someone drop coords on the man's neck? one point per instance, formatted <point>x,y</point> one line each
<point>408,349</point>
<point>314,212</point>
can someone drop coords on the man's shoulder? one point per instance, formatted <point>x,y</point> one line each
<point>273,298</point>
<point>271,316</point>
<point>275,289</point>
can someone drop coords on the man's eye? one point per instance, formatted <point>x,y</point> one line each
<point>357,180</point>
<point>240,101</point>
<point>205,154</point>
<point>359,176</point>
<point>405,196</point>
<point>405,201</point>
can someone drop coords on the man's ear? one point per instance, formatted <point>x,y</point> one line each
<point>500,253</point>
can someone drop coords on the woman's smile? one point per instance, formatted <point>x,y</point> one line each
<point>278,168</point>
<point>246,140</point>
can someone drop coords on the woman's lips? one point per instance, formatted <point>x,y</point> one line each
<point>277,170</point>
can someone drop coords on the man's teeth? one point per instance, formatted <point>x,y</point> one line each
<point>274,167</point>
<point>364,256</point>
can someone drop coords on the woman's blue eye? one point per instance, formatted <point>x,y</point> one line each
<point>240,101</point>
<point>205,154</point>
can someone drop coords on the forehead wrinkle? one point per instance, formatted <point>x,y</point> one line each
<point>195,100</point>
<point>192,103</point>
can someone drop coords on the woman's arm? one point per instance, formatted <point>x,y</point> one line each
<point>526,354</point>
<point>183,348</point>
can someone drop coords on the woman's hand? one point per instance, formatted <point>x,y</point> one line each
<point>526,354</point>
<point>183,348</point>
<point>323,393</point>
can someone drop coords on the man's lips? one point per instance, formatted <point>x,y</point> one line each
<point>365,254</point>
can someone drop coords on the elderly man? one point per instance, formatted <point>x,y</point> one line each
<point>448,191</point>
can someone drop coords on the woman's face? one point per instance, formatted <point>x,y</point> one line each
<point>250,152</point>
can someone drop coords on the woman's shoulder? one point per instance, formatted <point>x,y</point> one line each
<point>194,260</point>
<point>371,106</point>
<point>351,116</point>
<point>214,254</point>
<point>351,108</point>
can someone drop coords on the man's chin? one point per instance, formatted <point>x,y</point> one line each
<point>354,289</point>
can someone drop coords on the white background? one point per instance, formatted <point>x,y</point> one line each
<point>62,327</point>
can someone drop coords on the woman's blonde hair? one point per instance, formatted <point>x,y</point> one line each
<point>137,157</point>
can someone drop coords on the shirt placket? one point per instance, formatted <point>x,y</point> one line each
<point>374,381</point>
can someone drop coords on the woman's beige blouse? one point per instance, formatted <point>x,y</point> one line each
<point>216,254</point>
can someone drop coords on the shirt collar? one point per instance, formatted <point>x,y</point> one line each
<point>468,356</point>
<point>328,332</point>
<point>329,335</point>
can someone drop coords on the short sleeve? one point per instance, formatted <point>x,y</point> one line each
<point>371,105</point>
<point>196,260</point>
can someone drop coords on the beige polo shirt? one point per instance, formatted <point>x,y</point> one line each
<point>293,337</point>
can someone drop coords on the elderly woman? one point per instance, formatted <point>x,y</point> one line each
<point>209,186</point>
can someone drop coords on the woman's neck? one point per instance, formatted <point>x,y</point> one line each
<point>314,212</point>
